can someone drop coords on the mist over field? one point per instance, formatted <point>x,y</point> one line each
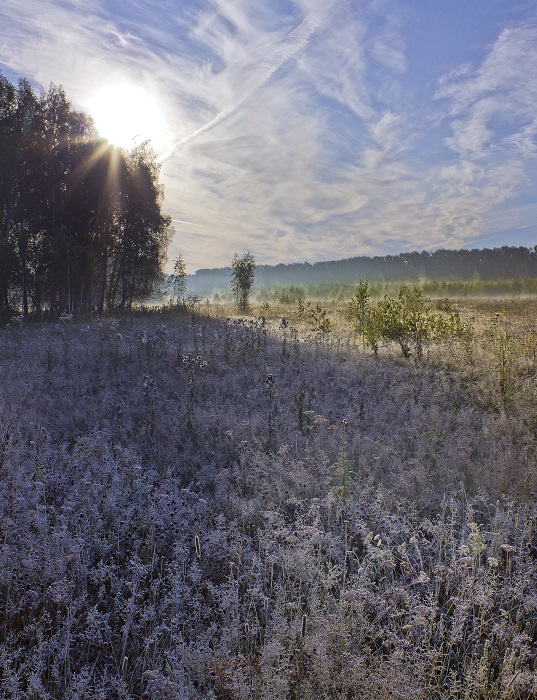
<point>440,273</point>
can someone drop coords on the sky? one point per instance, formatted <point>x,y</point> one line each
<point>307,130</point>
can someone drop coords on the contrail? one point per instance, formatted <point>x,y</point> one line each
<point>294,43</point>
<point>191,223</point>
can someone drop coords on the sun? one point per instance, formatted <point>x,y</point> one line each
<point>126,114</point>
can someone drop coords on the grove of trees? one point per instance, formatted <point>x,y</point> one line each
<point>81,224</point>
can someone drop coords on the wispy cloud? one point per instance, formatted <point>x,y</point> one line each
<point>296,40</point>
<point>492,110</point>
<point>495,105</point>
<point>291,129</point>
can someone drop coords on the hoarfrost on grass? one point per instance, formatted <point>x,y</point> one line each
<point>167,525</point>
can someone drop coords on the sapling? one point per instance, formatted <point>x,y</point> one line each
<point>242,279</point>
<point>359,311</point>
<point>320,322</point>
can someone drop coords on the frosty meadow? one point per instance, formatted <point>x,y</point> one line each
<point>202,506</point>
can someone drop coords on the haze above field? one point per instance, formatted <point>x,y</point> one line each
<point>307,130</point>
<point>487,265</point>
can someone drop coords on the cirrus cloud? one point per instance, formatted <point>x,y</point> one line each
<point>294,128</point>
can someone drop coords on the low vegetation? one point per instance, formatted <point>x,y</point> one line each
<point>196,506</point>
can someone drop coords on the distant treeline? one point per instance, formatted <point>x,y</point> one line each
<point>512,266</point>
<point>81,225</point>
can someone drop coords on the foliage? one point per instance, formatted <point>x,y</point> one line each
<point>408,320</point>
<point>319,321</point>
<point>359,311</point>
<point>290,295</point>
<point>242,279</point>
<point>175,284</point>
<point>81,226</point>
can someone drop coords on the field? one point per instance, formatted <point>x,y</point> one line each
<point>195,505</point>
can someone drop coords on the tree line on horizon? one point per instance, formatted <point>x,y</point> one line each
<point>81,224</point>
<point>504,263</point>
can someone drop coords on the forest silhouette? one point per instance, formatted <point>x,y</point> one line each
<point>504,263</point>
<point>81,223</point>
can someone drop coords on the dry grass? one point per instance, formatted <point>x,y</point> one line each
<point>200,508</point>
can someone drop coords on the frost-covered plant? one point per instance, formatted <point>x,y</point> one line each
<point>193,364</point>
<point>320,323</point>
<point>175,283</point>
<point>370,552</point>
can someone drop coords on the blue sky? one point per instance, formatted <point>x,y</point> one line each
<point>310,129</point>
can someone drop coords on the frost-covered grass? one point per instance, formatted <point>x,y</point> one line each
<point>195,507</point>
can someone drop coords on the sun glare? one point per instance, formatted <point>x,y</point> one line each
<point>126,115</point>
